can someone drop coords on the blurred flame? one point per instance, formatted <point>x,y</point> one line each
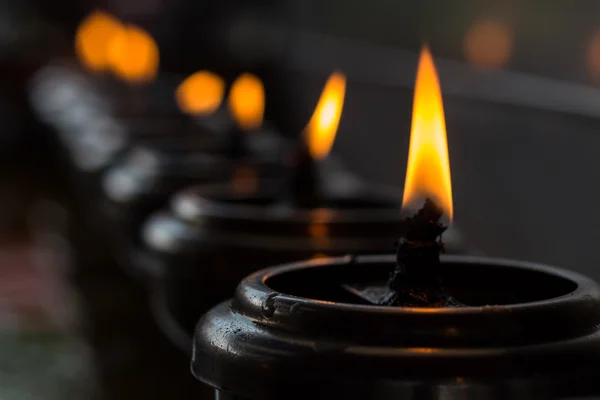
<point>92,38</point>
<point>133,55</point>
<point>201,93</point>
<point>247,101</point>
<point>324,122</point>
<point>318,230</point>
<point>428,171</point>
<point>488,44</point>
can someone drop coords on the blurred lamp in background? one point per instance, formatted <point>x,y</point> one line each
<point>103,43</point>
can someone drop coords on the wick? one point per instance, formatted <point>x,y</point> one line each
<point>237,142</point>
<point>305,185</point>
<point>416,280</point>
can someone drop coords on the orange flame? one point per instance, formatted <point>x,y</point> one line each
<point>247,101</point>
<point>92,38</point>
<point>133,55</point>
<point>428,171</point>
<point>201,93</point>
<point>322,127</point>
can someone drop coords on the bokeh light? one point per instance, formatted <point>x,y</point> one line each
<point>201,93</point>
<point>488,44</point>
<point>593,55</point>
<point>247,101</point>
<point>93,37</point>
<point>133,55</point>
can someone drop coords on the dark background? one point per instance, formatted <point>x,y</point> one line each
<point>520,82</point>
<point>524,138</point>
<point>523,133</point>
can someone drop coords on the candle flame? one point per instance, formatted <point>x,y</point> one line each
<point>92,38</point>
<point>133,55</point>
<point>322,127</point>
<point>247,101</point>
<point>201,93</point>
<point>428,171</point>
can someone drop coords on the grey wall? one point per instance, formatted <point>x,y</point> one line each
<point>525,182</point>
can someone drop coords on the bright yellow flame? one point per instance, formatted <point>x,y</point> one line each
<point>322,127</point>
<point>247,101</point>
<point>92,38</point>
<point>133,55</point>
<point>428,171</point>
<point>201,93</point>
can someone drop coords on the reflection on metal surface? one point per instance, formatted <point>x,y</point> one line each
<point>423,350</point>
<point>95,147</point>
<point>318,230</point>
<point>165,233</point>
<point>319,235</point>
<point>488,44</point>
<point>125,181</point>
<point>56,90</point>
<point>322,215</point>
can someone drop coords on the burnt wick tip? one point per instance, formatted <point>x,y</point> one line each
<point>416,280</point>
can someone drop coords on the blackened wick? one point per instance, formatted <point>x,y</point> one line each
<point>305,186</point>
<point>416,280</point>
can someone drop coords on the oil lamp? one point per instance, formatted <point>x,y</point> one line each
<point>123,59</point>
<point>120,98</point>
<point>82,117</point>
<point>215,234</point>
<point>114,91</point>
<point>307,181</point>
<point>142,180</point>
<point>246,105</point>
<point>237,129</point>
<point>414,326</point>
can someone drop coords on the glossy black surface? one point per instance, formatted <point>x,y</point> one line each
<point>291,332</point>
<point>214,235</point>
